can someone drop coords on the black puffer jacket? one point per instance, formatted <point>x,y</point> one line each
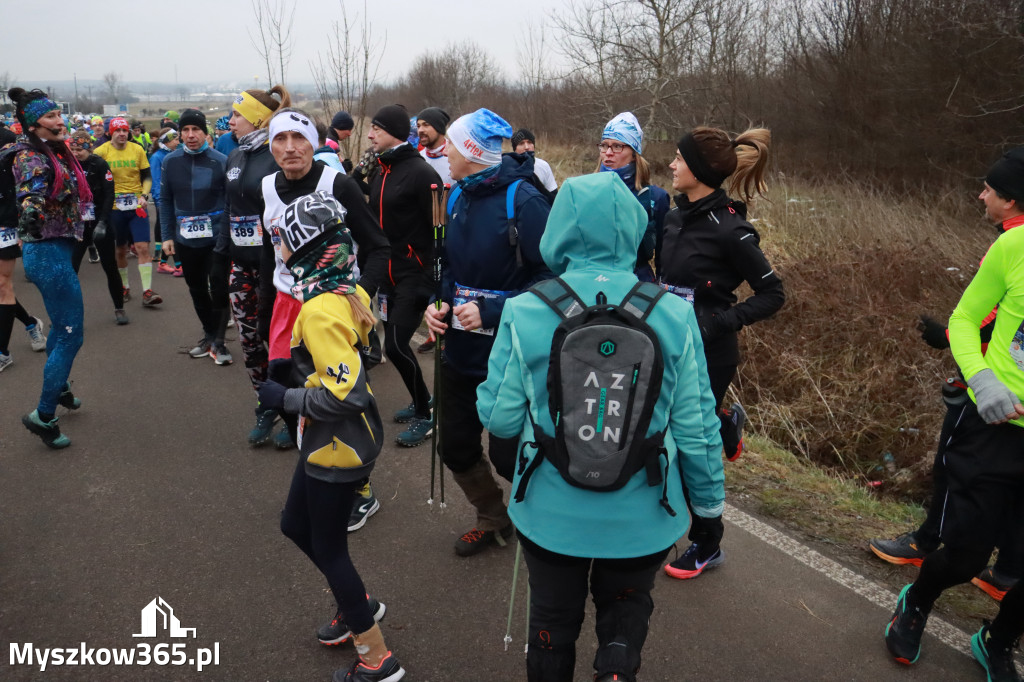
<point>400,198</point>
<point>709,247</point>
<point>101,182</point>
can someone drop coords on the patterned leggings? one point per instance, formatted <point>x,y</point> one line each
<point>244,294</point>
<point>48,265</point>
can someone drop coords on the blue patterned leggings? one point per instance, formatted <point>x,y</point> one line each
<point>48,266</point>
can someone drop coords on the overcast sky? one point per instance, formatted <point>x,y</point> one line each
<point>208,42</point>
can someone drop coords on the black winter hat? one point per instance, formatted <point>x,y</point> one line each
<point>437,118</point>
<point>521,135</point>
<point>192,117</point>
<point>1006,177</point>
<point>343,121</point>
<point>394,120</point>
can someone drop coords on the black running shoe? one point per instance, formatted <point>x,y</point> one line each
<point>901,550</point>
<point>904,631</point>
<point>48,431</point>
<point>389,670</point>
<point>336,631</point>
<point>476,540</point>
<point>996,660</point>
<point>67,399</point>
<point>362,509</point>
<point>993,583</point>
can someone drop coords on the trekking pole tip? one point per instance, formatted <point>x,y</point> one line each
<point>507,640</point>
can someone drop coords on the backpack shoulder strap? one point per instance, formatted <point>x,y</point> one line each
<point>641,299</point>
<point>452,198</point>
<point>510,217</point>
<point>559,296</point>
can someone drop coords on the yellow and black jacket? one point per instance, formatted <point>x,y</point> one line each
<point>340,432</point>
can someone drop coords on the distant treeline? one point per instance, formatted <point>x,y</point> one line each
<point>897,93</point>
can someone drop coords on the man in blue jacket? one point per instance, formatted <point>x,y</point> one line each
<point>192,184</point>
<point>486,261</point>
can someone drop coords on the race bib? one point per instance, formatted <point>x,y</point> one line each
<point>382,303</point>
<point>465,295</point>
<point>126,202</point>
<point>246,230</point>
<point>8,237</point>
<point>275,236</point>
<point>1017,347</point>
<point>685,293</point>
<point>195,227</point>
<point>88,211</point>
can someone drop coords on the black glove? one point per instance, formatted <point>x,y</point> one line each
<point>271,395</point>
<point>99,232</point>
<point>710,326</point>
<point>933,332</point>
<point>280,370</point>
<point>706,532</point>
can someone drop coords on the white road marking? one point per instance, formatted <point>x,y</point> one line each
<point>946,633</point>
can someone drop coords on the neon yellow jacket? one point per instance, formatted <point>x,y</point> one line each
<point>999,282</point>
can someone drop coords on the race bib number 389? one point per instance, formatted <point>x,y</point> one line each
<point>246,230</point>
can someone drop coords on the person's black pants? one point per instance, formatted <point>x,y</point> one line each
<point>201,268</point>
<point>461,430</point>
<point>985,496</point>
<point>621,589</point>
<point>406,302</point>
<point>105,248</point>
<point>315,518</point>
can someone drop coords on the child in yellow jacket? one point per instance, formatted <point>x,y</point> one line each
<point>340,431</point>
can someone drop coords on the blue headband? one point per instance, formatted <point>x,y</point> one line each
<point>38,108</point>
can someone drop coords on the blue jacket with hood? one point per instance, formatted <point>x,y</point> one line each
<point>591,241</point>
<point>477,253</point>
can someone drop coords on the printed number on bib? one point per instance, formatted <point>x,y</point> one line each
<point>195,227</point>
<point>465,295</point>
<point>88,211</point>
<point>126,202</point>
<point>8,237</point>
<point>246,230</point>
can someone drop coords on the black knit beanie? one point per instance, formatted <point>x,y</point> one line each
<point>438,119</point>
<point>521,135</point>
<point>1006,177</point>
<point>192,117</point>
<point>394,120</point>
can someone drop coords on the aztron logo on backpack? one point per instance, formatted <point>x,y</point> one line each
<point>607,348</point>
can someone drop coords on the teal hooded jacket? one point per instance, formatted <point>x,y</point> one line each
<point>591,240</point>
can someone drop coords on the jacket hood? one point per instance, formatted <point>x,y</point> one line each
<point>513,167</point>
<point>595,221</point>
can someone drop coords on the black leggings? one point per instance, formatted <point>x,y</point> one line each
<point>8,313</point>
<point>396,346</point>
<point>621,589</point>
<point>315,518</point>
<point>105,248</point>
<point>208,285</point>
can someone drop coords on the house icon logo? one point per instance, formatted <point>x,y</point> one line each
<point>158,617</point>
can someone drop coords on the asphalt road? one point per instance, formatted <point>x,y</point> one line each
<point>159,495</point>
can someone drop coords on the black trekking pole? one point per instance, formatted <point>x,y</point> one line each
<point>440,206</point>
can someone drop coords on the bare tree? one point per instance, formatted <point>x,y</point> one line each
<point>6,82</point>
<point>531,57</point>
<point>343,79</point>
<point>273,40</point>
<point>112,80</point>
<point>453,77</point>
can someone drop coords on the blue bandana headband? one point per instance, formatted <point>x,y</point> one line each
<point>38,108</point>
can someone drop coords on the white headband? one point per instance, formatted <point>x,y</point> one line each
<point>291,121</point>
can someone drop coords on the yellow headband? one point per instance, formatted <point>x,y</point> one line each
<point>251,109</point>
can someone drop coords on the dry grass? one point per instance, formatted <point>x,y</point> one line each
<point>840,375</point>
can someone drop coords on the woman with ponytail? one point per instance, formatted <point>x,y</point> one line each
<point>51,191</point>
<point>246,167</point>
<point>709,249</point>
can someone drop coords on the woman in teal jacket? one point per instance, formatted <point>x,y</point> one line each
<point>613,541</point>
